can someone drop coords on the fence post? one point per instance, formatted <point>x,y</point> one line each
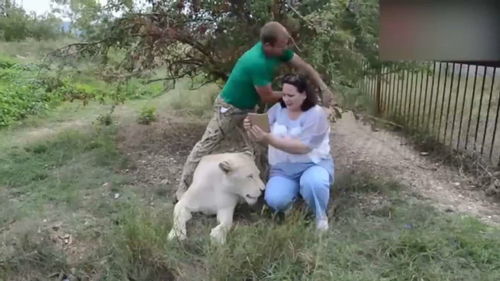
<point>377,93</point>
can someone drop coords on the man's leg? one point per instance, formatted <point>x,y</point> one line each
<point>217,128</point>
<point>249,144</point>
<point>204,146</point>
<point>257,150</point>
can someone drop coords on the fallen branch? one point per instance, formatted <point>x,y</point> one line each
<point>384,121</point>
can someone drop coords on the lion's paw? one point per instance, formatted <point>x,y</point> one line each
<point>218,235</point>
<point>176,235</point>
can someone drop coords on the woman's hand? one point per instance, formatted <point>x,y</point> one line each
<point>258,134</point>
<point>255,133</point>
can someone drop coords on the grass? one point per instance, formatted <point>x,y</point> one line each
<point>380,231</point>
<point>62,167</point>
<point>197,102</point>
<point>30,50</point>
<point>51,180</point>
<point>56,174</point>
<point>68,182</point>
<point>72,177</point>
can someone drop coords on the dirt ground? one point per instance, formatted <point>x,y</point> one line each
<point>158,151</point>
<point>356,145</point>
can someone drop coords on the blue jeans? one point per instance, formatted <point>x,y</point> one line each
<point>313,184</point>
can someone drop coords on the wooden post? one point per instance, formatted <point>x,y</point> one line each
<point>377,94</point>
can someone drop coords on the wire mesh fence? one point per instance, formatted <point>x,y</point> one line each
<point>456,104</point>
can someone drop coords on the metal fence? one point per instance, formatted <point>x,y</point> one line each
<point>456,104</point>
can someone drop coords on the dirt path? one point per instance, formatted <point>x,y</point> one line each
<point>357,146</point>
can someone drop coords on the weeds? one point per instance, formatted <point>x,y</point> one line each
<point>147,115</point>
<point>379,232</point>
<point>400,238</point>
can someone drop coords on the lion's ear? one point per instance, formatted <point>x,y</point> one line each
<point>225,166</point>
<point>248,153</point>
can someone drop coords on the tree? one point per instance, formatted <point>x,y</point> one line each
<point>4,6</point>
<point>13,22</point>
<point>190,38</point>
<point>16,24</point>
<point>83,14</point>
<point>45,27</point>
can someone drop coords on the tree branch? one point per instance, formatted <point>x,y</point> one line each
<point>159,79</point>
<point>202,84</point>
<point>310,24</point>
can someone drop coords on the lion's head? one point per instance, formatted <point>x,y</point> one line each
<point>242,177</point>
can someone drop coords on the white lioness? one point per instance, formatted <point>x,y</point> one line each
<point>220,181</point>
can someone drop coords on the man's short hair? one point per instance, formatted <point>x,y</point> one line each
<point>271,31</point>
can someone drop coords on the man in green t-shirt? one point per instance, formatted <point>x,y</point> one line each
<point>248,84</point>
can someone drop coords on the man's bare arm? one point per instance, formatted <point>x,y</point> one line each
<point>267,94</point>
<point>298,63</point>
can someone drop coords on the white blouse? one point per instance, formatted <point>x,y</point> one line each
<point>311,128</point>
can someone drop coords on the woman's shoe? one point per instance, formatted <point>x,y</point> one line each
<point>322,224</point>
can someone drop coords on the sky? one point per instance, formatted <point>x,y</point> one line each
<point>38,6</point>
<point>42,6</point>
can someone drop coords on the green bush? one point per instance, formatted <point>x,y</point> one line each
<point>105,119</point>
<point>28,88</point>
<point>22,93</point>
<point>137,89</point>
<point>6,62</point>
<point>147,115</point>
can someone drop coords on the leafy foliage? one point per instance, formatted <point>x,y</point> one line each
<point>20,93</point>
<point>85,15</point>
<point>28,89</point>
<point>345,38</point>
<point>147,115</point>
<point>194,38</point>
<point>16,24</point>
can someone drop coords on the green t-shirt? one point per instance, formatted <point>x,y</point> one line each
<point>252,69</point>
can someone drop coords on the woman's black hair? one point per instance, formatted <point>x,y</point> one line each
<point>302,85</point>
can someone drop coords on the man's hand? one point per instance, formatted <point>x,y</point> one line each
<point>333,113</point>
<point>267,94</point>
<point>247,124</point>
<point>327,97</point>
<point>298,63</point>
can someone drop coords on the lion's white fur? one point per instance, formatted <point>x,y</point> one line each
<point>220,181</point>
